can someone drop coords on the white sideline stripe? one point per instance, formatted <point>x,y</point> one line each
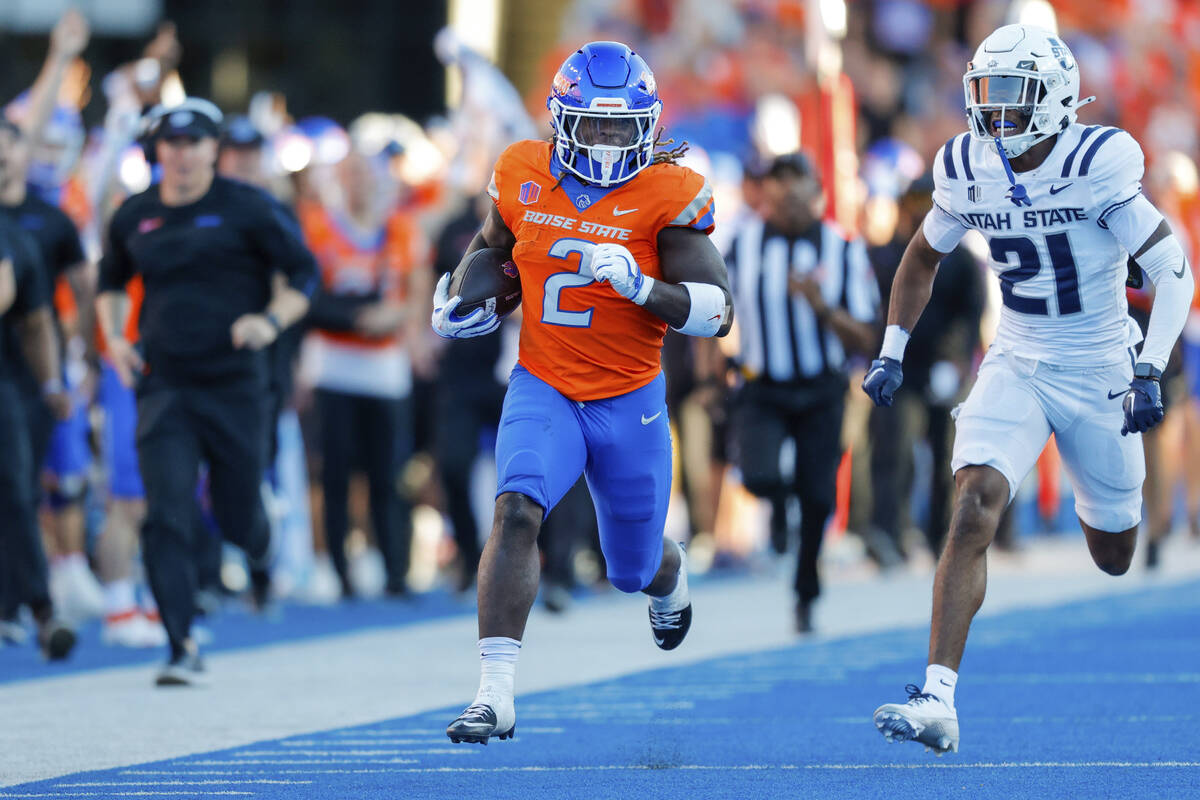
<point>1057,720</point>
<point>366,770</point>
<point>354,742</point>
<point>224,793</point>
<point>326,753</point>
<point>300,761</point>
<point>737,768</point>
<point>383,732</point>
<point>704,767</point>
<point>280,781</point>
<point>766,768</point>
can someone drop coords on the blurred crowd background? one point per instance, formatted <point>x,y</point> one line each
<point>390,115</point>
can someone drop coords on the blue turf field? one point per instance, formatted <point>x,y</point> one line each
<point>1091,700</point>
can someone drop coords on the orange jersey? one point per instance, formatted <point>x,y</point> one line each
<point>577,335</point>
<point>363,263</point>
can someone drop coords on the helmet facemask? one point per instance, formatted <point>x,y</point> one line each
<point>993,95</point>
<point>606,144</point>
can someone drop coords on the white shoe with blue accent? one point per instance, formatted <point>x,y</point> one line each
<point>925,718</point>
<point>492,716</point>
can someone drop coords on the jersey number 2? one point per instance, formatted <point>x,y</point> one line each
<point>556,283</point>
<point>1066,276</point>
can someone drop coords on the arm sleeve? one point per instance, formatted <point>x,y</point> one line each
<point>278,238</point>
<point>1133,222</point>
<point>116,265</point>
<point>1168,268</point>
<point>943,229</point>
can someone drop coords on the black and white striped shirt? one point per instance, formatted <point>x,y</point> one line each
<point>780,338</point>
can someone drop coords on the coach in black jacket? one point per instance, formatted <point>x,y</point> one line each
<point>206,248</point>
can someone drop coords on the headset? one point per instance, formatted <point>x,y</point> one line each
<point>152,123</point>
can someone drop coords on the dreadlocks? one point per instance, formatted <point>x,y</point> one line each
<point>667,156</point>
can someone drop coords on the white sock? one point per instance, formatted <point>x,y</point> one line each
<point>940,682</point>
<point>119,597</point>
<point>498,668</point>
<point>678,599</point>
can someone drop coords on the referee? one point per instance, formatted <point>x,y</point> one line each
<point>804,297</point>
<point>206,248</point>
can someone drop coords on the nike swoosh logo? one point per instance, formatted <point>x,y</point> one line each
<point>619,213</point>
<point>1057,189</point>
<point>658,641</point>
<point>647,420</point>
<point>942,681</point>
<point>1112,396</point>
<point>1180,273</point>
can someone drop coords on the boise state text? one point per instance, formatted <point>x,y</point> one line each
<point>1035,218</point>
<point>582,226</point>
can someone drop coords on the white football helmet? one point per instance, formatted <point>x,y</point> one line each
<point>1028,70</point>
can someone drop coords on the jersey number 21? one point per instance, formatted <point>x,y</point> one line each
<point>1029,264</point>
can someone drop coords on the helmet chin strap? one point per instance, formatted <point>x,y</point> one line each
<point>1017,192</point>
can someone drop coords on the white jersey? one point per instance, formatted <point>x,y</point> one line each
<point>1062,273</point>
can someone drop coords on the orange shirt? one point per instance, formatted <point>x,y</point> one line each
<point>577,335</point>
<point>362,263</point>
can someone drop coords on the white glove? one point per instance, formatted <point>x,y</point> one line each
<point>615,264</point>
<point>445,324</point>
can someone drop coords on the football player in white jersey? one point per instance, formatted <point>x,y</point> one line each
<point>1060,204</point>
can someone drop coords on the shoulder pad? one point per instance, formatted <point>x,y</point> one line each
<point>953,160</point>
<point>1104,152</point>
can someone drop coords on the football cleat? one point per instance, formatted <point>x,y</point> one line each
<point>670,627</point>
<point>132,629</point>
<point>667,626</point>
<point>480,721</point>
<point>56,639</point>
<point>185,669</point>
<point>925,718</point>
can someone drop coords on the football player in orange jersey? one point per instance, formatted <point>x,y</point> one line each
<point>610,241</point>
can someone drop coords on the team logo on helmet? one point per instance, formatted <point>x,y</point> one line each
<point>1060,51</point>
<point>565,86</point>
<point>647,83</point>
<point>530,192</point>
<point>510,269</point>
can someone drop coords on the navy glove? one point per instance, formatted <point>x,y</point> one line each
<point>883,379</point>
<point>1143,402</point>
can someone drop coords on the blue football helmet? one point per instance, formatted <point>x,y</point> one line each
<point>604,107</point>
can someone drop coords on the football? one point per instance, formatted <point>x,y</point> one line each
<point>487,278</point>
